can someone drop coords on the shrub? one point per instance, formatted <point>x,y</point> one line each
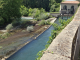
<point>25,23</point>
<point>36,13</point>
<point>42,10</point>
<point>57,9</point>
<point>5,35</point>
<point>42,22</point>
<point>9,27</point>
<point>30,11</point>
<point>23,30</point>
<point>30,28</point>
<point>24,11</point>
<point>52,8</point>
<point>47,22</point>
<point>43,16</point>
<point>1,21</point>
<point>16,22</point>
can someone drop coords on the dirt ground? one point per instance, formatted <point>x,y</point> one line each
<point>19,38</point>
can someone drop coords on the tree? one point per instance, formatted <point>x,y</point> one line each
<point>78,0</point>
<point>10,9</point>
<point>58,1</point>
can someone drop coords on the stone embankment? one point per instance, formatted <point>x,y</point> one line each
<point>61,47</point>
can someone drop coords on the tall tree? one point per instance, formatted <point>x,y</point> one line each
<point>10,9</point>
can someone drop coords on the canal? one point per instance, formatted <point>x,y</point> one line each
<point>30,51</point>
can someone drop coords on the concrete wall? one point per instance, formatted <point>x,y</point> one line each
<point>62,46</point>
<point>69,6</point>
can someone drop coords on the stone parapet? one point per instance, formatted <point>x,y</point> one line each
<point>61,47</point>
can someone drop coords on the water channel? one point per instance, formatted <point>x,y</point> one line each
<point>30,51</point>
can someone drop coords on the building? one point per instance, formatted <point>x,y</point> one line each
<point>68,7</point>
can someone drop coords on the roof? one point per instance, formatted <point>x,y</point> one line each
<point>71,2</point>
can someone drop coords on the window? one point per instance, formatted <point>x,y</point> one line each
<point>65,7</point>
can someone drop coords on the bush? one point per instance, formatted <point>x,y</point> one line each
<point>25,23</point>
<point>30,28</point>
<point>42,22</point>
<point>42,10</point>
<point>9,27</point>
<point>43,16</point>
<point>47,22</point>
<point>16,22</point>
<point>36,13</point>
<point>6,34</point>
<point>30,12</point>
<point>24,11</point>
<point>1,21</point>
<point>52,8</point>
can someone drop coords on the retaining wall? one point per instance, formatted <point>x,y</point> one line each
<point>61,47</point>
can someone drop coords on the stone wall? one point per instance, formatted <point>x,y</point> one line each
<point>61,47</point>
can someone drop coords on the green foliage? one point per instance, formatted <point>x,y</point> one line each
<point>58,1</point>
<point>47,22</point>
<point>9,27</point>
<point>1,21</point>
<point>24,11</point>
<point>43,16</point>
<point>30,28</point>
<point>42,10</point>
<point>5,35</point>
<point>52,9</point>
<point>30,12</point>
<point>16,22</point>
<point>44,22</point>
<point>55,7</point>
<point>45,4</point>
<point>56,26</point>
<point>37,4</point>
<point>55,32</point>
<point>36,13</point>
<point>39,54</point>
<point>10,9</point>
<point>0,47</point>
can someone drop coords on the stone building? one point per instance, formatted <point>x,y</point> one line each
<point>68,7</point>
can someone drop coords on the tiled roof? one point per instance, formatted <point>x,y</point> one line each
<point>71,2</point>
